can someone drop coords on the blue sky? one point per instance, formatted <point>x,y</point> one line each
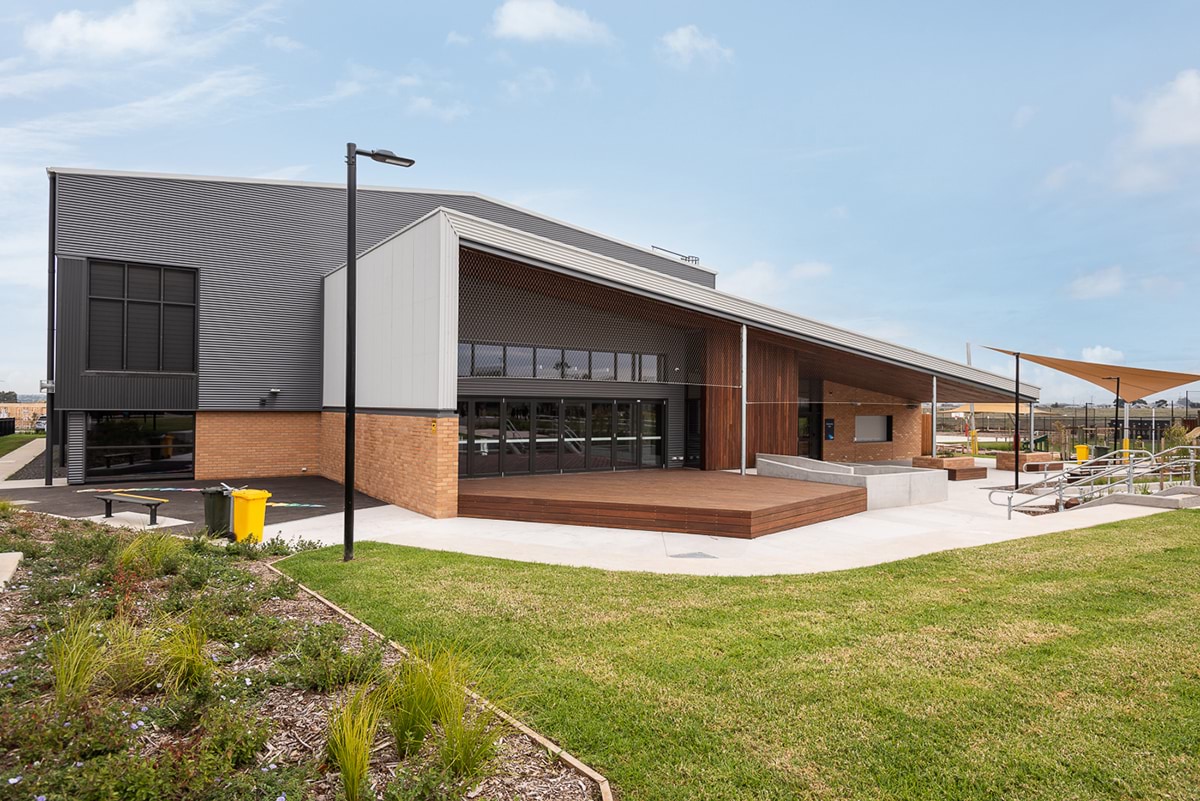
<point>1025,175</point>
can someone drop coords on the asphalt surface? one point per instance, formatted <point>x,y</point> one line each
<point>314,495</point>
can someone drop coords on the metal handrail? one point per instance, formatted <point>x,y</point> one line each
<point>1128,464</point>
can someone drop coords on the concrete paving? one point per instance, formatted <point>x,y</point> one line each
<point>14,460</point>
<point>8,566</point>
<point>964,519</point>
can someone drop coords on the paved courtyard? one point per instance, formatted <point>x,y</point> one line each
<point>964,520</point>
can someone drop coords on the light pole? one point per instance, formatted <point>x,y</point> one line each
<point>384,157</point>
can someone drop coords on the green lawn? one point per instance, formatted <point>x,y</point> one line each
<point>11,442</point>
<point>1060,667</point>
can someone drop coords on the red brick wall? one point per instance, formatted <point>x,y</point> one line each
<point>408,461</point>
<point>906,425</point>
<point>256,444</point>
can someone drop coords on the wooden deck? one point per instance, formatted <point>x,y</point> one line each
<point>689,501</point>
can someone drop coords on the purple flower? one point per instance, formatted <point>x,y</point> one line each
<point>14,780</point>
<point>40,798</point>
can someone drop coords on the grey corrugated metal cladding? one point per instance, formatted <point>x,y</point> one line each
<point>261,250</point>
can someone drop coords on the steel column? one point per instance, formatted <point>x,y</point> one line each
<point>933,421</point>
<point>744,388</point>
<point>351,330</point>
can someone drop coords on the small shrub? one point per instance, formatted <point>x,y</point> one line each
<point>236,737</point>
<point>76,658</point>
<point>8,510</point>
<point>76,546</point>
<point>184,663</point>
<point>152,554</point>
<point>320,663</point>
<point>427,783</point>
<point>196,573</point>
<point>351,735</point>
<point>415,695</point>
<point>469,736</point>
<point>130,664</point>
<point>40,732</point>
<point>281,587</point>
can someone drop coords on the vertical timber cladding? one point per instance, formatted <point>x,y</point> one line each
<point>505,302</point>
<point>772,414</point>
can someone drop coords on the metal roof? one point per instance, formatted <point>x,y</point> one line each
<point>409,204</point>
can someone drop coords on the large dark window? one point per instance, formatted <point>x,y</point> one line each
<point>141,318</point>
<point>487,360</point>
<point>128,444</point>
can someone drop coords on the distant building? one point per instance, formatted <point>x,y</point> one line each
<point>26,414</point>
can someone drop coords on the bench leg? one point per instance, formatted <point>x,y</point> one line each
<point>154,515</point>
<point>108,508</point>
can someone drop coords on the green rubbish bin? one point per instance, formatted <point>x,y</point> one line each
<point>217,508</point>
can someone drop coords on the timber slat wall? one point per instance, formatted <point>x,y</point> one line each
<point>715,503</point>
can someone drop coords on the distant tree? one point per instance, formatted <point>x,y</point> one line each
<point>8,396</point>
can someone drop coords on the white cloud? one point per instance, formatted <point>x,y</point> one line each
<point>546,20</point>
<point>1170,116</point>
<point>422,106</point>
<point>1140,177</point>
<point>284,43</point>
<point>810,269</point>
<point>291,172</point>
<point>456,38</point>
<point>1023,116</point>
<point>537,81</point>
<point>687,45</point>
<point>38,81</point>
<point>1102,354</point>
<point>358,79</point>
<point>1062,175</point>
<point>196,100</point>
<point>1102,283</point>
<point>141,28</point>
<point>767,283</point>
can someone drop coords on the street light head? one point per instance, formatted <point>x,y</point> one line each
<point>388,157</point>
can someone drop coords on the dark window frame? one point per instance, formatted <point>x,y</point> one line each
<point>125,300</point>
<point>637,377</point>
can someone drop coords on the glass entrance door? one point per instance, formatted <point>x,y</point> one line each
<point>546,437</point>
<point>625,435</point>
<point>485,439</point>
<point>522,436</point>
<point>600,437</point>
<point>574,436</point>
<point>517,439</point>
<point>652,452</point>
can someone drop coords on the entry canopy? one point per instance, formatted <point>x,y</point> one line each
<point>1136,382</point>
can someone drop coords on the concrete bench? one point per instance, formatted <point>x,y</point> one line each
<point>136,500</point>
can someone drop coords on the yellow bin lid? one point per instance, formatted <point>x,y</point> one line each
<point>251,494</point>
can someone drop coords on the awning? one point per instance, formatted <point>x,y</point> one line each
<point>1136,382</point>
<point>981,408</point>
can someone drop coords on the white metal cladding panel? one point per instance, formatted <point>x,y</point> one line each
<point>407,326</point>
<point>76,432</point>
<point>490,234</point>
<point>334,336</point>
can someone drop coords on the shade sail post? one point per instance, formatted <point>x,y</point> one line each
<point>933,421</point>
<point>1017,425</point>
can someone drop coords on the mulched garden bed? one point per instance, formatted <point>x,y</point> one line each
<point>245,714</point>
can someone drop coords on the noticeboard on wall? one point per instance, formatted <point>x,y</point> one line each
<point>829,429</point>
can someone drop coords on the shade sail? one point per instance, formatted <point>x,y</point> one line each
<point>982,408</point>
<point>1136,382</point>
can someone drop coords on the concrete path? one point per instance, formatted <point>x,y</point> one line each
<point>13,461</point>
<point>965,519</point>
